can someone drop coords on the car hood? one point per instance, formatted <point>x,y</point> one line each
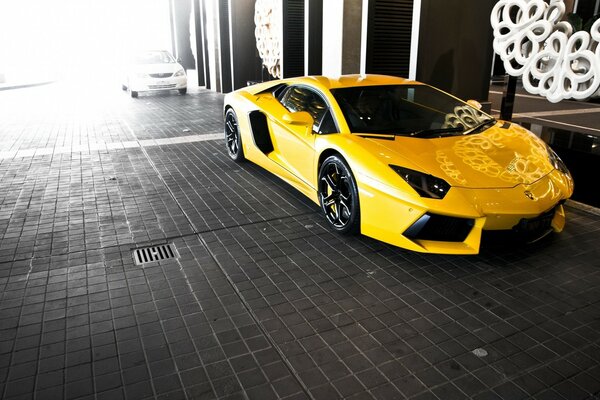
<point>500,157</point>
<point>156,68</point>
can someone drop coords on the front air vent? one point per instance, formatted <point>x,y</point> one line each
<point>440,228</point>
<point>154,253</point>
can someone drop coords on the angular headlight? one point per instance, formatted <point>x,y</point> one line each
<point>179,73</point>
<point>556,161</point>
<point>142,75</point>
<point>425,185</point>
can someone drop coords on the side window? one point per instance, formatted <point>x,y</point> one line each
<point>279,91</point>
<point>298,98</point>
<point>327,124</point>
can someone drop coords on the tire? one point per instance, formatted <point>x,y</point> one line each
<point>233,139</point>
<point>134,94</point>
<point>182,91</point>
<point>338,195</point>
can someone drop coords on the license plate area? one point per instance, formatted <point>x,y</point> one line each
<point>540,223</point>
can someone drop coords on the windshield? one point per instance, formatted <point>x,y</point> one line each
<point>154,57</point>
<point>405,110</point>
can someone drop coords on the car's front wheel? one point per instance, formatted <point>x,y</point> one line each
<point>338,195</point>
<point>182,91</point>
<point>233,137</point>
<point>133,94</point>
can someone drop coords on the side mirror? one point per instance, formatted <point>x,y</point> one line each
<point>474,104</point>
<point>298,118</point>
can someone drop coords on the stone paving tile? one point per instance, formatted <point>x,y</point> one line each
<point>215,193</point>
<point>54,205</point>
<point>264,301</point>
<point>157,115</point>
<point>355,316</point>
<point>56,116</point>
<point>102,326</point>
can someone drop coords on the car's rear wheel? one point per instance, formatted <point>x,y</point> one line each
<point>182,91</point>
<point>233,137</point>
<point>134,94</point>
<point>338,195</point>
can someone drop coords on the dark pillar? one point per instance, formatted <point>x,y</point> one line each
<point>246,63</point>
<point>204,44</point>
<point>293,38</point>
<point>199,33</point>
<point>173,32</point>
<point>226,81</point>
<point>455,47</point>
<point>181,12</point>
<point>351,36</point>
<point>508,98</point>
<point>314,33</point>
<point>389,37</point>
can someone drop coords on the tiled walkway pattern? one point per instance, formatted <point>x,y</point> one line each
<point>263,302</point>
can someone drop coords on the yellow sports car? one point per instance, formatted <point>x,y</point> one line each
<point>400,161</point>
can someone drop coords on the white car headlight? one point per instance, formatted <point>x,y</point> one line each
<point>181,72</point>
<point>142,75</point>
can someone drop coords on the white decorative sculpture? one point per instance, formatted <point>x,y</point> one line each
<point>534,43</point>
<point>268,20</point>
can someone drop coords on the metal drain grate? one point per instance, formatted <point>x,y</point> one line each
<point>154,253</point>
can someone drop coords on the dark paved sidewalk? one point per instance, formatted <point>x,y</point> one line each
<point>263,301</point>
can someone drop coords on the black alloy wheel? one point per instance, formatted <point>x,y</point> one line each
<point>338,195</point>
<point>232,136</point>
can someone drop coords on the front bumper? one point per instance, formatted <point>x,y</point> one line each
<point>157,84</point>
<point>454,225</point>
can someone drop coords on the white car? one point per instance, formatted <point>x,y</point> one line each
<point>154,70</point>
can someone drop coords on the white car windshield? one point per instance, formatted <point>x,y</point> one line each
<point>154,57</point>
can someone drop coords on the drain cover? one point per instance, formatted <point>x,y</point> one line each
<point>154,253</point>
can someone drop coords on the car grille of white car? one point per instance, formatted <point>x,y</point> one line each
<point>170,86</point>
<point>161,75</point>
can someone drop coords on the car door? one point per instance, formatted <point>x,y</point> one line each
<point>295,142</point>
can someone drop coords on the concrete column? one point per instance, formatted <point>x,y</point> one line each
<point>225,42</point>
<point>293,38</point>
<point>199,42</point>
<point>213,44</point>
<point>204,38</point>
<point>342,26</point>
<point>181,11</point>
<point>313,37</point>
<point>246,65</point>
<point>455,47</point>
<point>351,46</point>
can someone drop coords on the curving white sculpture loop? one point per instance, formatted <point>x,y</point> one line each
<point>268,32</point>
<point>534,43</point>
